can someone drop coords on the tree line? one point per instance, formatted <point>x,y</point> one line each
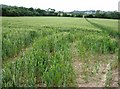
<point>23,11</point>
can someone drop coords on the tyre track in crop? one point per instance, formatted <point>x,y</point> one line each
<point>110,31</point>
<point>110,76</point>
<point>116,35</point>
<point>115,78</point>
<point>105,72</point>
<point>77,66</point>
<point>98,80</point>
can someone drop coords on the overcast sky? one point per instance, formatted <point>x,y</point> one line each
<point>66,5</point>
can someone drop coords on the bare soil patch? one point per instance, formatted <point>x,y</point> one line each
<point>101,77</point>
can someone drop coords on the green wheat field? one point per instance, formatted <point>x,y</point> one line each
<point>59,52</point>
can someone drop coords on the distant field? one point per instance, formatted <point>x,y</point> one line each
<point>59,51</point>
<point>107,22</point>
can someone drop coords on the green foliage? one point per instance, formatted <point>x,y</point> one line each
<point>23,11</point>
<point>48,60</point>
<point>15,40</point>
